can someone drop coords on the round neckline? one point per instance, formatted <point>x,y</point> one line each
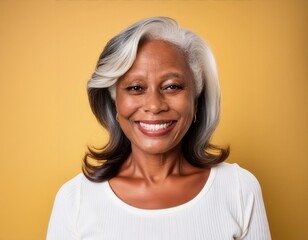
<point>155,212</point>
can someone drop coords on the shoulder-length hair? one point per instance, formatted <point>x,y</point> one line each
<point>116,59</point>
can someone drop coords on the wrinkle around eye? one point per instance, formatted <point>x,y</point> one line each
<point>173,88</point>
<point>135,90</point>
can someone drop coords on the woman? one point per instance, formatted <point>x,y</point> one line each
<point>156,91</point>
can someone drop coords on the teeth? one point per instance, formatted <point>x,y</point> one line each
<point>154,127</point>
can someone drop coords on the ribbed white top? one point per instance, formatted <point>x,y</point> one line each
<point>229,206</point>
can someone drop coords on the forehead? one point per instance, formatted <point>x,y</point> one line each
<point>158,56</point>
<point>160,49</point>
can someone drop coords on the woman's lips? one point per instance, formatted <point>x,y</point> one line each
<point>157,128</point>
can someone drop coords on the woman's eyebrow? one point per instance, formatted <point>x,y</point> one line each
<point>132,76</point>
<point>172,75</point>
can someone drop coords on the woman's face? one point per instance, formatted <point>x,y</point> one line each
<point>155,98</point>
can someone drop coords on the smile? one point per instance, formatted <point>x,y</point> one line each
<point>154,127</point>
<point>157,128</point>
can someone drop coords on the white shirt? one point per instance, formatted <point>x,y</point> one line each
<point>229,206</point>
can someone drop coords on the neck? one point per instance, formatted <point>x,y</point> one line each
<point>154,168</point>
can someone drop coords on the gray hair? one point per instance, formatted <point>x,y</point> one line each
<point>118,57</point>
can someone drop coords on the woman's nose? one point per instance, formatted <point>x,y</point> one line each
<point>155,102</point>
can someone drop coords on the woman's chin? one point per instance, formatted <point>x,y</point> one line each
<point>155,148</point>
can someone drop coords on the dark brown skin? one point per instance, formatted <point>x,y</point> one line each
<point>158,90</point>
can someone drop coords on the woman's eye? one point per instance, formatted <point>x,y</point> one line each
<point>174,87</point>
<point>134,89</point>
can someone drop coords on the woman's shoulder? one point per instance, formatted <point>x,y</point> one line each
<point>75,185</point>
<point>235,170</point>
<point>243,179</point>
<point>66,206</point>
<point>78,188</point>
<point>70,189</point>
<point>245,189</point>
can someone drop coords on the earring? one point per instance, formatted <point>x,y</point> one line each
<point>195,118</point>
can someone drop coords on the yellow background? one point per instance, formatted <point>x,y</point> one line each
<point>48,50</point>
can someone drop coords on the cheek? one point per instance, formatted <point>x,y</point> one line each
<point>185,106</point>
<point>126,106</point>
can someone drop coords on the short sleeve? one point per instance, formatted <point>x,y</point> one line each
<point>62,223</point>
<point>254,221</point>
